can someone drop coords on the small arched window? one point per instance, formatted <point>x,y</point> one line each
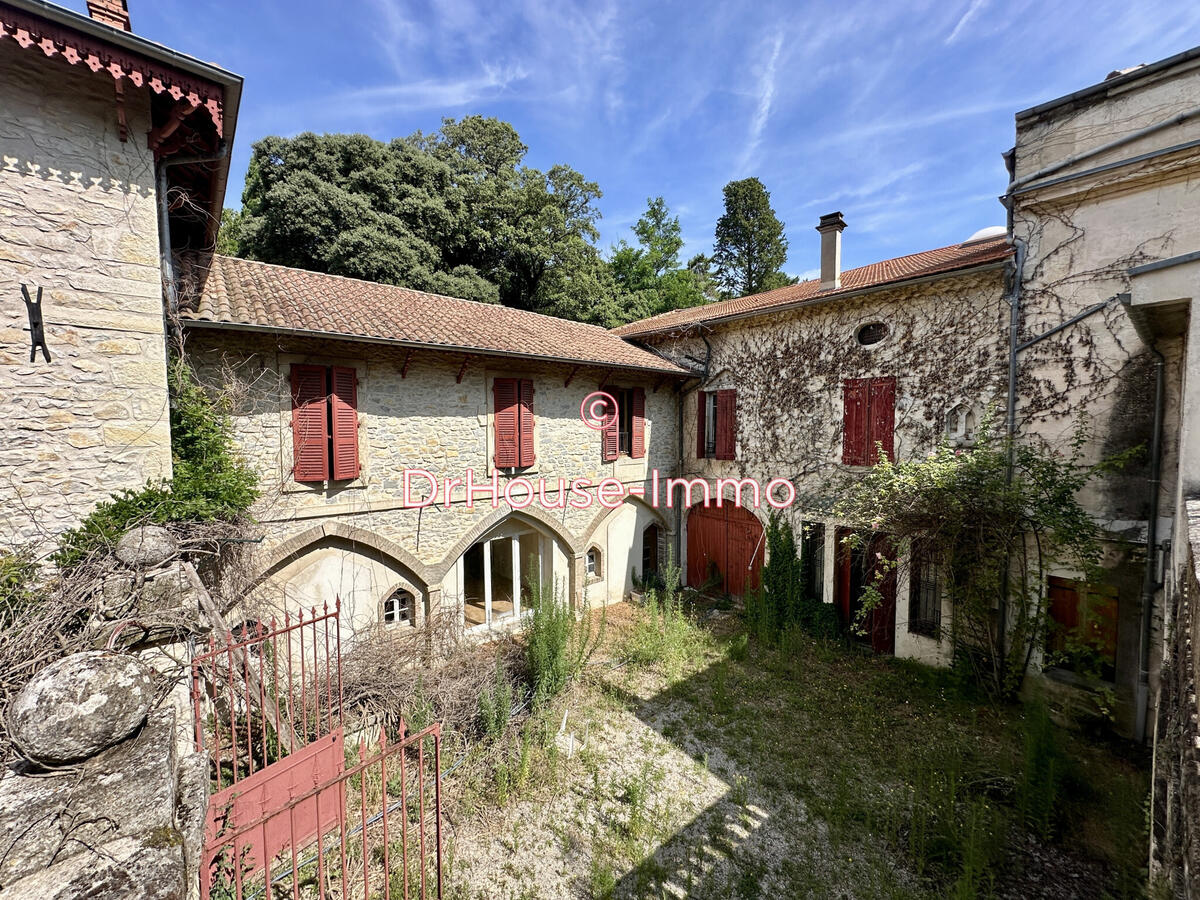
<point>592,563</point>
<point>960,425</point>
<point>399,607</point>
<point>872,333</point>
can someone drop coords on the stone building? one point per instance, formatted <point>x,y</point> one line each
<point>99,130</point>
<point>114,161</point>
<point>432,388</point>
<point>900,352</point>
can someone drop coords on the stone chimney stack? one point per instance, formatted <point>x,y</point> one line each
<point>110,12</point>
<point>831,227</point>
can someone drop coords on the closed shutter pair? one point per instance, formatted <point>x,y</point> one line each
<point>324,423</point>
<point>513,422</point>
<point>868,420</point>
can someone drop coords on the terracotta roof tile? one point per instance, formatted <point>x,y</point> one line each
<point>244,293</point>
<point>903,268</point>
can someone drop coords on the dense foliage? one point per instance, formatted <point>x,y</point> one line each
<point>458,212</point>
<point>454,212</point>
<point>992,537</point>
<point>210,483</point>
<point>788,599</point>
<point>751,247</point>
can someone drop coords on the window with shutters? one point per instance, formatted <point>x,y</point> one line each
<point>513,423</point>
<point>868,420</point>
<point>627,432</point>
<point>716,428</point>
<point>1081,636</point>
<point>324,423</point>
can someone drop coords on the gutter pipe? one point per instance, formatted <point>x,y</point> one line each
<point>1150,583</point>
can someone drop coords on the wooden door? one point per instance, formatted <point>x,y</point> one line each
<point>725,542</point>
<point>858,568</point>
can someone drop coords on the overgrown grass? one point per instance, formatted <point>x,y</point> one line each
<point>844,773</point>
<point>663,634</point>
<point>879,748</point>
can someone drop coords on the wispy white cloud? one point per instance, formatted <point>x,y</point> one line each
<point>972,11</point>
<point>766,94</point>
<point>871,186</point>
<point>373,101</point>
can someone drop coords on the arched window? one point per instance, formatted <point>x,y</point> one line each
<point>399,607</point>
<point>960,425</point>
<point>592,563</point>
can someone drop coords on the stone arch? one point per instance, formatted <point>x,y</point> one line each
<point>294,547</point>
<point>604,514</point>
<point>531,516</point>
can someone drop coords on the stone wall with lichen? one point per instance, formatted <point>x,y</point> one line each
<point>78,219</point>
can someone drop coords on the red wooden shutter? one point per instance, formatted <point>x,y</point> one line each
<point>882,405</point>
<point>701,421</point>
<point>637,447</point>
<point>525,424</point>
<point>726,424</point>
<point>854,421</point>
<point>310,423</point>
<point>505,392</point>
<point>344,398</point>
<point>610,446</point>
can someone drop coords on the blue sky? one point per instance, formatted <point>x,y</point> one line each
<point>894,113</point>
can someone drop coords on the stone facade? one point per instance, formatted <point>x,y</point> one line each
<point>1104,184</point>
<point>78,218</point>
<point>360,540</point>
<point>944,345</point>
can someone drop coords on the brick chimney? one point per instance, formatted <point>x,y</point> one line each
<point>110,12</point>
<point>831,227</point>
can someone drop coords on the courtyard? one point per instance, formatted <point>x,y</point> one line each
<point>698,764</point>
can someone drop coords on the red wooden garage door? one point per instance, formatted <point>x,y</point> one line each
<point>725,541</point>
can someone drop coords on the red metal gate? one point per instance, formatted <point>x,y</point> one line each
<point>267,703</point>
<point>727,541</point>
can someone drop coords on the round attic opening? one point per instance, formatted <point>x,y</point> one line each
<point>871,333</point>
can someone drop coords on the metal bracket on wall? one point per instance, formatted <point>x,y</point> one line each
<point>37,331</point>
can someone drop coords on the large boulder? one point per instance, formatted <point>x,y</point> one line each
<point>79,705</point>
<point>146,547</point>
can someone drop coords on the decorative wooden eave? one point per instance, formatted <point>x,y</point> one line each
<point>34,33</point>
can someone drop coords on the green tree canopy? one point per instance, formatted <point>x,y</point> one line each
<point>750,247</point>
<point>454,212</point>
<point>648,276</point>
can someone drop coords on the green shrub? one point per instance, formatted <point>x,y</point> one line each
<point>210,482</point>
<point>557,645</point>
<point>663,634</point>
<point>495,705</point>
<point>18,574</point>
<point>787,597</point>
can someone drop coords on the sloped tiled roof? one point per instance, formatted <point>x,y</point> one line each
<point>889,271</point>
<point>242,293</point>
